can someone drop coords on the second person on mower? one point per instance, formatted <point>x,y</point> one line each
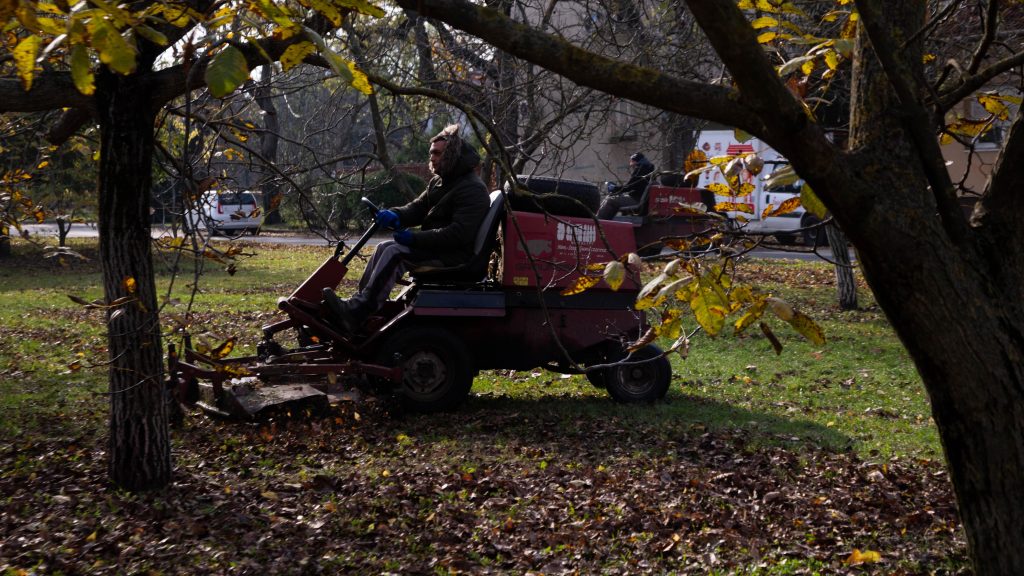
<point>449,213</point>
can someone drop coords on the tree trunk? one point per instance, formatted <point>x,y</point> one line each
<point>140,454</point>
<point>845,282</point>
<point>268,147</point>
<point>961,321</point>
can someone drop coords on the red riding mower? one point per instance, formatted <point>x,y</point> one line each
<point>505,309</point>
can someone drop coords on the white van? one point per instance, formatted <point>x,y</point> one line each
<point>787,227</point>
<point>224,211</point>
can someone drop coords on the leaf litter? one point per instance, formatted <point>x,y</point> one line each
<point>491,489</point>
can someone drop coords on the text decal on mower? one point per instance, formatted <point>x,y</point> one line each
<point>582,233</point>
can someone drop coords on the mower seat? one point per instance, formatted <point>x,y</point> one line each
<point>475,269</point>
<point>640,209</point>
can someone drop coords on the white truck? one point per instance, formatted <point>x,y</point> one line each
<point>748,209</point>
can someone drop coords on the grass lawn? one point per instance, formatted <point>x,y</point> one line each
<point>756,463</point>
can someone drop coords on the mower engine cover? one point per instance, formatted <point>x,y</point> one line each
<point>560,247</point>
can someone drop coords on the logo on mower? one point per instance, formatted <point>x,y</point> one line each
<point>580,233</point>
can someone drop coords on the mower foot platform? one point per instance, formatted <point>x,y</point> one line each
<point>251,402</point>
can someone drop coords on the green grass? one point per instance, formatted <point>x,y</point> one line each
<point>747,468</point>
<point>858,392</point>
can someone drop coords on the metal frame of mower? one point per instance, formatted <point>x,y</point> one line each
<point>430,341</point>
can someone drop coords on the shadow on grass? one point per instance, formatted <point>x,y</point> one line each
<point>600,424</point>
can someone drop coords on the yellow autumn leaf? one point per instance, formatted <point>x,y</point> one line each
<point>786,207</point>
<point>359,79</point>
<point>711,317</point>
<point>831,59</point>
<point>753,314</point>
<point>734,207</point>
<point>25,59</point>
<point>745,189</point>
<point>695,160</point>
<point>224,349</point>
<point>994,105</point>
<point>580,285</point>
<point>129,284</point>
<point>807,67</point>
<point>969,127</point>
<point>720,189</point>
<point>614,274</point>
<point>671,325</point>
<point>803,324</point>
<point>764,22</point>
<point>858,557</point>
<point>295,54</point>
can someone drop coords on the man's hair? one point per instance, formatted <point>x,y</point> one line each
<point>452,150</point>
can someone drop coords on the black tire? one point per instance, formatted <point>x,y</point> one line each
<point>644,382</point>
<point>567,197</point>
<point>437,370</point>
<point>5,241</point>
<point>813,236</point>
<point>786,239</point>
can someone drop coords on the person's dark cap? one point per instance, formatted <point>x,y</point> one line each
<point>638,157</point>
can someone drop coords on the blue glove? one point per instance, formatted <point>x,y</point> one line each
<point>404,237</point>
<point>387,219</point>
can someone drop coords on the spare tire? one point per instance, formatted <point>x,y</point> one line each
<point>560,197</point>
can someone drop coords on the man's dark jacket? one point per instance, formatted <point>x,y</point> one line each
<point>638,180</point>
<point>449,212</point>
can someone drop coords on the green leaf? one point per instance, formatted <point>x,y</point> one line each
<point>810,201</point>
<point>227,71</point>
<point>154,36</point>
<point>114,50</point>
<point>81,70</point>
<point>25,59</point>
<point>362,7</point>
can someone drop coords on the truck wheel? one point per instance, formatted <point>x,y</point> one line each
<point>644,382</point>
<point>567,199</point>
<point>786,239</point>
<point>814,236</point>
<point>437,371</point>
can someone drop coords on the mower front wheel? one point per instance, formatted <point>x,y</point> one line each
<point>644,377</point>
<point>437,370</point>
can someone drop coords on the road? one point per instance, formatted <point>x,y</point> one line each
<point>296,239</point>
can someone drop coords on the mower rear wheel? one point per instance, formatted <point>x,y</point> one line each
<point>437,370</point>
<point>636,381</point>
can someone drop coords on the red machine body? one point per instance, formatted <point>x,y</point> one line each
<point>558,248</point>
<point>429,342</point>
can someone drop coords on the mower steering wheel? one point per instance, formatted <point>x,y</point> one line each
<point>370,205</point>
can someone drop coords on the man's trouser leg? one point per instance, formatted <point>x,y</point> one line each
<point>389,261</point>
<point>612,204</point>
